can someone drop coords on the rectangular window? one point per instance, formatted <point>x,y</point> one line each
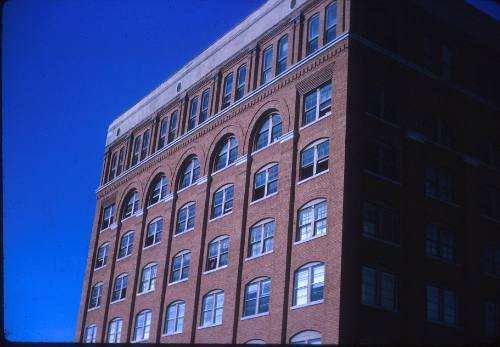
<point>314,159</point>
<point>440,242</point>
<point>261,239</point>
<point>180,267</point>
<point>267,60</point>
<point>380,222</point>
<point>312,220</point>
<point>491,259</point>
<point>223,201</point>
<point>445,62</point>
<point>266,182</point>
<point>490,202</point>
<point>240,84</point>
<point>441,305</point>
<point>313,34</point>
<point>185,218</point>
<point>439,184</point>
<point>331,23</point>
<point>173,126</point>
<point>163,133</point>
<point>137,150</point>
<point>192,113</point>
<point>309,284</point>
<point>145,144</point>
<point>382,159</point>
<point>153,235</point>
<point>379,288</point>
<point>108,215</point>
<point>317,104</point>
<point>126,245</point>
<point>282,54</point>
<point>102,256</point>
<point>204,106</point>
<point>491,319</point>
<point>228,88</point>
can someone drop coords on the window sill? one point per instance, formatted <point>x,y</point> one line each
<point>309,239</point>
<point>139,341</point>
<point>171,334</point>
<point>450,203</point>
<point>184,232</point>
<point>255,316</point>
<point>268,146</point>
<point>264,198</point>
<point>154,244</point>
<point>165,199</point>
<point>313,177</point>
<point>383,120</point>
<point>384,178</point>
<point>442,260</point>
<point>443,324</point>
<point>99,268</point>
<point>208,326</point>
<point>117,301</point>
<point>219,217</point>
<point>189,186</point>
<point>380,308</point>
<point>214,270</point>
<point>315,121</point>
<point>177,282</point>
<point>136,214</point>
<point>93,308</point>
<point>390,243</point>
<point>124,257</point>
<point>258,256</point>
<point>296,307</point>
<point>145,292</point>
<point>491,219</point>
<point>223,169</point>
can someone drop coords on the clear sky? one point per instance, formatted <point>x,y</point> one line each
<point>69,68</point>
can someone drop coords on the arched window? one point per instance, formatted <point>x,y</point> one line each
<point>190,174</point>
<point>148,278</point>
<point>313,34</point>
<point>126,245</point>
<point>153,235</point>
<point>131,204</point>
<point>314,159</point>
<point>180,266</point>
<point>120,288</point>
<point>174,321</point>
<point>193,113</point>
<point>223,201</point>
<point>308,284</point>
<point>269,131</point>
<point>257,295</point>
<point>308,337</point>
<point>312,220</point>
<point>261,238</point>
<point>265,182</point>
<point>158,190</point>
<point>228,88</point>
<point>90,334</point>
<point>227,153</point>
<point>218,253</point>
<point>240,83</point>
<point>212,308</point>
<point>185,218</point>
<point>142,325</point>
<point>95,295</point>
<point>102,256</point>
<point>330,22</point>
<point>115,330</point>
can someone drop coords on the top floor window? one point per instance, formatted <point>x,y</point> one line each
<point>163,133</point>
<point>317,104</point>
<point>131,205</point>
<point>314,159</point>
<point>331,22</point>
<point>313,34</point>
<point>267,65</point>
<point>192,114</point>
<point>113,167</point>
<point>108,216</point>
<point>204,106</point>
<point>282,54</point>
<point>159,191</point>
<point>121,158</point>
<point>439,184</point>
<point>145,144</point>
<point>190,174</point>
<point>173,126</point>
<point>227,154</point>
<point>228,88</point>
<point>137,150</point>
<point>269,131</point>
<point>240,83</point>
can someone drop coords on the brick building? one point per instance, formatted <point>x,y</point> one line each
<point>326,172</point>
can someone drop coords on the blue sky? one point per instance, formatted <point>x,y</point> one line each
<point>70,68</point>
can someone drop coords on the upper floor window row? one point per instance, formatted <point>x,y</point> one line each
<point>313,28</point>
<point>141,147</point>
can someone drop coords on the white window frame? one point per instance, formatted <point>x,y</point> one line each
<point>218,242</point>
<point>204,109</point>
<point>319,112</point>
<point>270,125</point>
<point>306,337</point>
<point>160,183</point>
<point>148,283</point>
<point>333,26</point>
<point>260,283</point>
<point>213,309</point>
<point>314,206</point>
<point>172,130</point>
<point>90,334</point>
<point>266,69</point>
<point>284,58</point>
<point>162,140</point>
<point>120,279</point>
<point>316,159</point>
<point>136,151</point>
<point>267,181</point>
<point>309,269</point>
<point>225,147</point>
<point>193,113</point>
<point>105,255</point>
<point>115,330</point>
<point>98,297</point>
<point>262,225</point>
<point>144,329</point>
<point>312,38</point>
<point>239,83</point>
<point>133,202</point>
<point>224,211</point>
<point>227,90</point>
<point>183,270</point>
<point>177,321</point>
<point>185,222</point>
<point>157,232</point>
<point>107,219</point>
<point>129,244</point>
<point>190,169</point>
